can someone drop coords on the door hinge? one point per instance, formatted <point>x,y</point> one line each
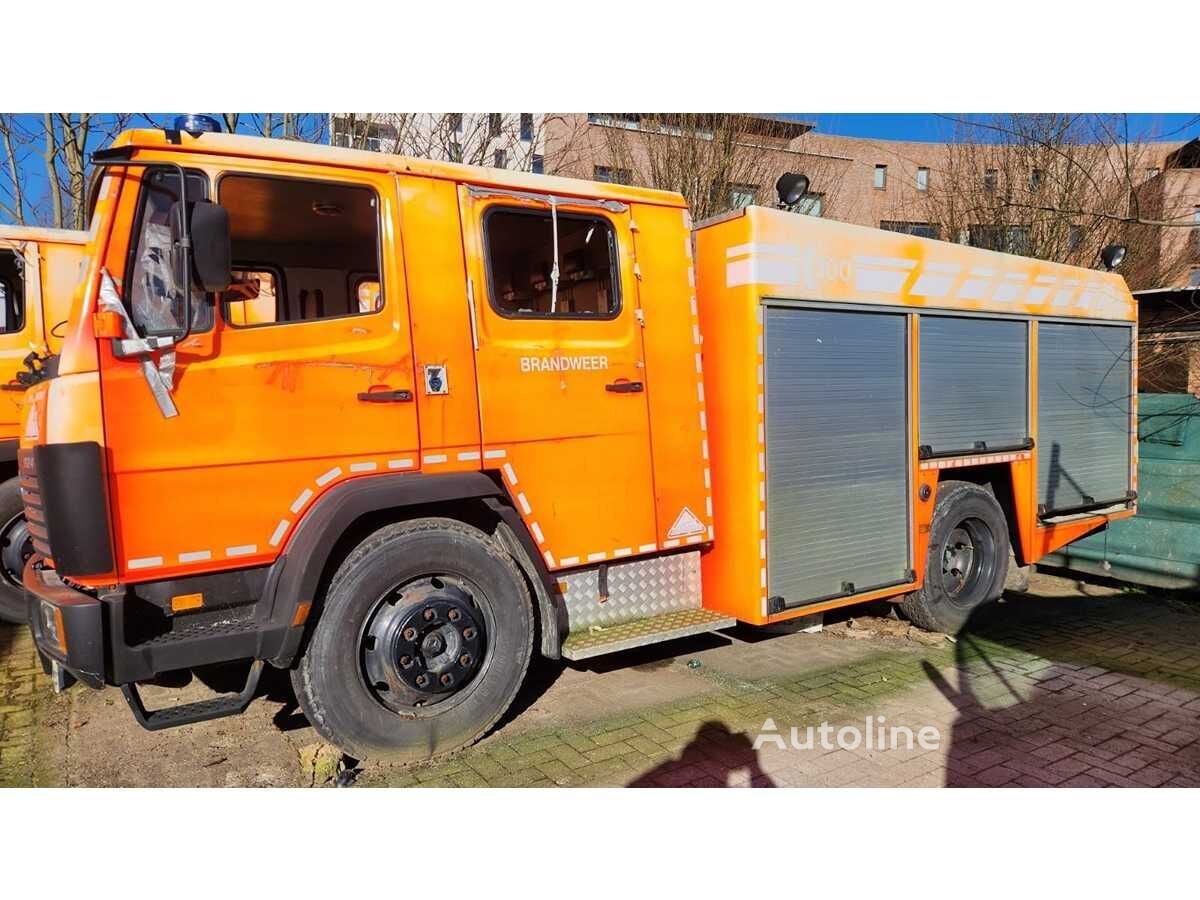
<point>640,315</point>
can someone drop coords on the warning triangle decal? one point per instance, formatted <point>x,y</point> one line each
<point>686,523</point>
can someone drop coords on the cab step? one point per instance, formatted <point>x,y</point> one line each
<point>598,640</point>
<point>189,713</point>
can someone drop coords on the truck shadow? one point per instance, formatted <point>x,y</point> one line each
<point>1054,692</point>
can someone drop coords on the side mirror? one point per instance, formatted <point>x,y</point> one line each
<point>208,229</point>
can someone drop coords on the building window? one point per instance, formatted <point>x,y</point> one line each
<point>989,180</point>
<point>538,166</point>
<point>494,124</point>
<point>1152,172</point>
<point>527,126</point>
<point>12,283</point>
<point>500,159</point>
<point>881,178</point>
<point>1194,278</point>
<point>611,175</point>
<point>1002,238</point>
<point>525,279</point>
<point>1074,238</point>
<point>922,179</point>
<point>455,121</point>
<point>811,205</point>
<point>373,143</point>
<point>742,195</point>
<point>916,229</point>
<point>1036,176</point>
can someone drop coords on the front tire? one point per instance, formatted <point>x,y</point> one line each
<point>423,642</point>
<point>967,560</point>
<point>15,548</point>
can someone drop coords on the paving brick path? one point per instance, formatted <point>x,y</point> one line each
<point>1075,685</point>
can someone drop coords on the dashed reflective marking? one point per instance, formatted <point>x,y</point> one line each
<point>400,463</point>
<point>432,459</point>
<point>570,560</point>
<point>468,456</point>
<point>510,474</point>
<point>708,505</point>
<point>672,543</point>
<point>699,364</point>
<point>145,562</point>
<point>537,532</point>
<point>549,557</point>
<point>329,476</point>
<point>762,548</point>
<point>763,577</point>
<point>195,556</point>
<point>525,507</point>
<point>494,454</point>
<point>363,467</point>
<point>694,310</point>
<point>695,333</point>
<point>298,503</point>
<point>596,557</point>
<point>279,532</point>
<point>695,539</point>
<point>647,548</point>
<point>704,447</point>
<point>707,479</point>
<point>242,550</point>
<point>623,551</point>
<point>710,533</point>
<point>703,421</point>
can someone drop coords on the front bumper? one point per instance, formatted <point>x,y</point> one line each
<point>67,624</point>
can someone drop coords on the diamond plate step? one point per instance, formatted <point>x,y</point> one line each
<point>640,632</point>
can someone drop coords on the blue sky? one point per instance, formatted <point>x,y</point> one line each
<point>932,127</point>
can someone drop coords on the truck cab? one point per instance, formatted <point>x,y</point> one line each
<point>39,268</point>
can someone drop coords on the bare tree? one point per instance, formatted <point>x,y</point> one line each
<point>10,138</point>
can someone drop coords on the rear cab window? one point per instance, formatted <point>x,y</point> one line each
<point>12,291</point>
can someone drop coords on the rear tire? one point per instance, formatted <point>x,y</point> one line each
<point>15,548</point>
<point>423,642</point>
<point>967,560</point>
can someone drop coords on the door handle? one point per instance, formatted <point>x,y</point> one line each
<point>625,387</point>
<point>385,396</point>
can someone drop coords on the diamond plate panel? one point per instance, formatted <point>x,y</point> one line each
<point>637,589</point>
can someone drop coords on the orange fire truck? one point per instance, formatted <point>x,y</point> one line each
<point>39,268</point>
<point>396,425</point>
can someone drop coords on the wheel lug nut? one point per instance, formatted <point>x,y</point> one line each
<point>422,680</point>
<point>446,679</point>
<point>406,661</point>
<point>453,615</point>
<point>428,614</point>
<point>468,633</point>
<point>409,634</point>
<point>465,659</point>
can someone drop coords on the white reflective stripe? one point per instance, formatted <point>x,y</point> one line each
<point>494,454</point>
<point>329,476</point>
<point>695,333</point>
<point>510,474</point>
<point>932,286</point>
<point>145,562</point>
<point>363,467</point>
<point>763,576</point>
<point>549,557</point>
<point>704,447</point>
<point>242,550</point>
<point>623,551</point>
<point>298,503</point>
<point>570,560</point>
<point>434,458</point>
<point>673,542</point>
<point>762,548</point>
<point>694,539</point>
<point>710,533</point>
<point>700,391</point>
<point>708,505</point>
<point>879,281</point>
<point>647,548</point>
<point>703,421</point>
<point>893,262</point>
<point>708,479</point>
<point>694,310</point>
<point>280,531</point>
<point>699,365</point>
<point>468,456</point>
<point>525,507</point>
<point>596,557</point>
<point>400,463</point>
<point>195,556</point>
<point>537,532</point>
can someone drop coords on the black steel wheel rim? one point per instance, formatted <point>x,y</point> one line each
<point>968,561</point>
<point>16,546</point>
<point>424,644</point>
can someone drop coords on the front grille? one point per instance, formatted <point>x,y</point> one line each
<point>31,497</point>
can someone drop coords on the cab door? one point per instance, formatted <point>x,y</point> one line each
<point>561,370</point>
<point>20,322</point>
<point>298,379</point>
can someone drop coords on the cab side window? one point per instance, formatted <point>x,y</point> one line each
<point>12,292</point>
<point>155,292</point>
<point>302,250</point>
<point>527,280</point>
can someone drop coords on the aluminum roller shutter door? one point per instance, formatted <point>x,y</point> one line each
<point>837,452</point>
<point>1083,414</point>
<point>974,383</point>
